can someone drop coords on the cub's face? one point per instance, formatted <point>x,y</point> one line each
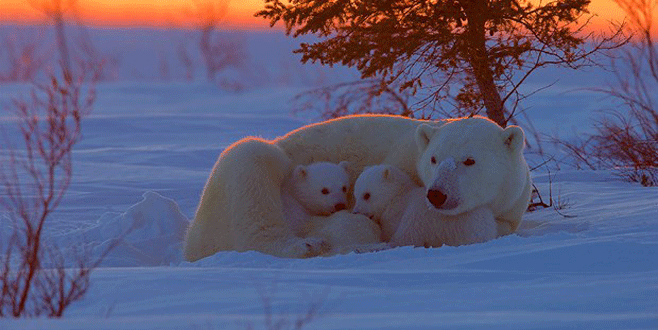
<point>321,187</point>
<point>464,163</point>
<point>376,188</point>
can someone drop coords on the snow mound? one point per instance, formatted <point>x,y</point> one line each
<point>149,233</point>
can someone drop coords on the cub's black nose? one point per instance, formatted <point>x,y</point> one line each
<point>339,207</point>
<point>436,197</point>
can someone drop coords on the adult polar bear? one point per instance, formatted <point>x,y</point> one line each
<point>240,208</point>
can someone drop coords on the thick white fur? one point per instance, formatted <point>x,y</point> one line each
<point>497,178</point>
<point>240,190</point>
<point>422,225</point>
<point>316,189</point>
<point>408,219</point>
<point>345,232</point>
<point>240,208</point>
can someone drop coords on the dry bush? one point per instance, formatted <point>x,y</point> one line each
<point>34,279</point>
<point>284,321</point>
<point>629,145</point>
<point>557,203</point>
<point>23,57</point>
<point>626,139</point>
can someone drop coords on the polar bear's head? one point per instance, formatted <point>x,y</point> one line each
<point>321,187</point>
<point>471,162</point>
<point>377,187</point>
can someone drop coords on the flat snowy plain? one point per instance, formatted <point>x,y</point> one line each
<point>146,153</point>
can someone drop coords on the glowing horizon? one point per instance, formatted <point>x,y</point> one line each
<point>139,13</point>
<point>176,13</point>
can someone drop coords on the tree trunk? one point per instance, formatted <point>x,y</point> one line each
<point>492,100</point>
<point>479,61</point>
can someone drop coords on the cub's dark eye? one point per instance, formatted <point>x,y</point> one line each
<point>344,189</point>
<point>366,196</point>
<point>433,160</point>
<point>469,161</point>
<point>325,191</point>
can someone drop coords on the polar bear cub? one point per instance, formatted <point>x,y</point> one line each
<point>379,192</point>
<point>388,195</point>
<point>318,189</point>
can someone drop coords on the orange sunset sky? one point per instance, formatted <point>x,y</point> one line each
<point>172,13</point>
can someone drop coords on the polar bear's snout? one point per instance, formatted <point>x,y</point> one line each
<point>443,194</point>
<point>436,198</point>
<point>339,207</point>
<point>443,201</point>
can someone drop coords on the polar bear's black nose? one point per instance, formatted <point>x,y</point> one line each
<point>339,207</point>
<point>436,197</point>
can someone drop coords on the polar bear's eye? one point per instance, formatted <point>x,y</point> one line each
<point>366,196</point>
<point>344,189</point>
<point>325,191</point>
<point>433,160</point>
<point>469,161</point>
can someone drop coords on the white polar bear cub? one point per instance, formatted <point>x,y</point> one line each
<point>318,189</point>
<point>379,194</point>
<point>385,193</point>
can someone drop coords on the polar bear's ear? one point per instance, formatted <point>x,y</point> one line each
<point>345,165</point>
<point>424,134</point>
<point>300,172</point>
<point>513,138</point>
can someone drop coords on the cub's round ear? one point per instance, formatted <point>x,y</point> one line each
<point>300,172</point>
<point>513,138</point>
<point>345,165</point>
<point>424,134</point>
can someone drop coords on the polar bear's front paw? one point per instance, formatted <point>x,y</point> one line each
<point>310,247</point>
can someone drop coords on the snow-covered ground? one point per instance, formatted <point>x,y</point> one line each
<point>148,148</point>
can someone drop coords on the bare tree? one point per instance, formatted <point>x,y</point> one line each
<point>186,60</point>
<point>74,47</point>
<point>55,10</point>
<point>34,179</point>
<point>163,66</point>
<point>209,14</point>
<point>90,56</point>
<point>626,138</point>
<point>218,53</point>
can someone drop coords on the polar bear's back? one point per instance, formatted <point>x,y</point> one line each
<point>362,140</point>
